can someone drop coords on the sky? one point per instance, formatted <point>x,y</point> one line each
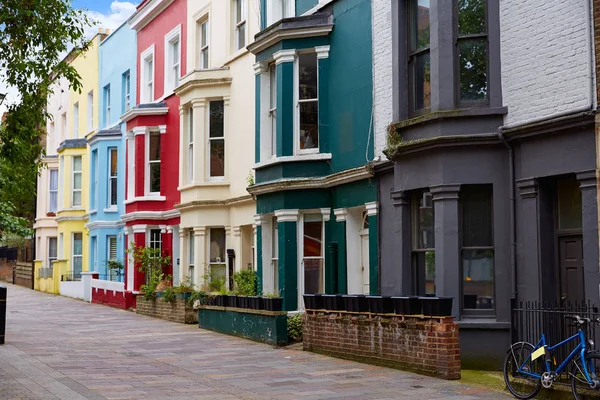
<point>109,14</point>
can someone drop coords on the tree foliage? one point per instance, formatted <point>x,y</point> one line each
<point>35,36</point>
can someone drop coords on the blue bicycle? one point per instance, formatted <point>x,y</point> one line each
<point>527,367</point>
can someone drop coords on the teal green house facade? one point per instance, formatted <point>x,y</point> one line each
<point>317,228</point>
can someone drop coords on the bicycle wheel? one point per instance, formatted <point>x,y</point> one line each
<point>520,385</point>
<point>581,387</point>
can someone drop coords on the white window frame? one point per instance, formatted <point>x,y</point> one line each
<point>127,90</point>
<point>203,48</point>
<point>297,102</point>
<point>61,183</point>
<point>222,262</point>
<point>209,140</point>
<point>149,241</point>
<point>107,105</point>
<point>147,83</point>
<point>301,257</point>
<point>75,120</point>
<point>272,72</point>
<point>73,255</point>
<point>110,238</point>
<point>238,22</point>
<point>73,173</point>
<point>52,192</point>
<point>90,99</point>
<point>190,161</point>
<point>172,70</point>
<point>50,258</point>
<point>96,179</point>
<point>130,165</point>
<point>148,162</point>
<point>279,9</point>
<point>112,177</point>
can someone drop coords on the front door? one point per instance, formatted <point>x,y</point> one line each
<point>364,258</point>
<point>571,268</point>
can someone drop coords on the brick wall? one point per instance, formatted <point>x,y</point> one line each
<point>6,270</point>
<point>426,346</point>
<point>545,57</point>
<point>382,72</point>
<point>124,300</point>
<point>176,311</point>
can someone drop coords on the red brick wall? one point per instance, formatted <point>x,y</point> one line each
<point>114,299</point>
<point>6,270</point>
<point>428,346</point>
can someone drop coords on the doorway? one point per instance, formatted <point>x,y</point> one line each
<point>364,254</point>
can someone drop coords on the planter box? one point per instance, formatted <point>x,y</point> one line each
<point>242,302</point>
<point>380,304</point>
<point>313,302</point>
<point>255,303</point>
<point>407,305</point>
<point>437,306</point>
<point>356,303</point>
<point>273,304</point>
<point>334,302</point>
<point>177,310</point>
<point>221,300</point>
<point>231,300</point>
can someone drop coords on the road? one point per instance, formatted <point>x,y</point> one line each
<point>61,348</point>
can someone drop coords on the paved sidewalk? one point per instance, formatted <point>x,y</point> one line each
<point>63,348</point>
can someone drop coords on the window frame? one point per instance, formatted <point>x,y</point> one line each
<point>112,178</point>
<point>173,70</point>
<point>272,71</point>
<point>75,120</point>
<point>275,253</point>
<point>297,102</point>
<point>90,100</point>
<point>73,190</point>
<point>190,161</point>
<point>73,255</point>
<point>223,262</point>
<point>110,238</point>
<point>147,89</point>
<point>209,177</point>
<point>301,257</point>
<point>411,56</point>
<point>50,259</point>
<point>107,105</point>
<point>419,280</point>
<point>127,91</point>
<point>203,48</point>
<point>52,192</point>
<point>147,182</point>
<point>278,10</point>
<point>239,22</point>
<point>191,253</point>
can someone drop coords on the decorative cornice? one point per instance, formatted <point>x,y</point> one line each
<point>206,78</point>
<point>283,56</point>
<point>528,188</point>
<point>104,224</point>
<point>237,231</point>
<point>297,158</point>
<point>162,129</point>
<point>146,14</point>
<point>139,228</point>
<point>199,230</point>
<point>340,214</point>
<point>72,144</point>
<point>71,218</point>
<point>260,68</point>
<point>445,192</point>
<point>287,215</point>
<point>213,203</point>
<point>588,179</point>
<point>150,215</point>
<point>322,52</point>
<point>339,178</point>
<point>139,130</point>
<point>326,213</point>
<point>400,198</point>
<point>260,219</point>
<point>143,112</point>
<point>372,208</point>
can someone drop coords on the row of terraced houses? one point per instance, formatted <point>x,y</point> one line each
<point>335,146</point>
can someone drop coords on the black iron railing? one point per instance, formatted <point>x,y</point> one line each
<point>70,277</point>
<point>9,253</point>
<point>531,319</point>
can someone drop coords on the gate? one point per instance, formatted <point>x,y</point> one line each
<point>23,274</point>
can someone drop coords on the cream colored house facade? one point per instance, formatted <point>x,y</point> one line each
<point>217,140</point>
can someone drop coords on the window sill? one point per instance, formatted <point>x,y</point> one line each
<point>489,322</point>
<point>204,184</point>
<point>448,114</point>
<point>145,198</point>
<point>94,211</point>
<point>239,53</point>
<point>71,209</point>
<point>296,158</point>
<point>111,210</point>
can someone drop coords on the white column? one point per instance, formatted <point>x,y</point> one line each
<point>182,147</point>
<point>236,245</point>
<point>200,259</point>
<point>130,265</point>
<point>200,137</point>
<point>183,253</point>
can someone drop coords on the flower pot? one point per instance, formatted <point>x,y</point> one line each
<point>273,303</point>
<point>356,303</point>
<point>255,303</point>
<point>211,300</point>
<point>334,302</point>
<point>313,302</point>
<point>437,306</point>
<point>380,304</point>
<point>221,300</point>
<point>242,302</point>
<point>231,300</point>
<point>407,305</point>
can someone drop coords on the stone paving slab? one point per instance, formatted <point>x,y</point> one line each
<point>60,348</point>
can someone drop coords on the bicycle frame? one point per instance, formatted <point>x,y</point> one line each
<point>581,348</point>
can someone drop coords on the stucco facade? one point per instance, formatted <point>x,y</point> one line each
<point>217,100</point>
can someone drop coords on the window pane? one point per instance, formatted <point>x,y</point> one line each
<point>77,181</point>
<point>77,198</point>
<point>76,163</point>
<point>112,247</point>
<point>422,84</point>
<point>155,177</point>
<point>241,36</point>
<point>273,86</point>
<point>425,266</point>
<point>154,147</point>
<point>473,69</point>
<point>313,238</point>
<point>478,279</point>
<point>203,34</point>
<point>313,276</point>
<point>471,17</point>
<point>420,24</point>
<point>238,10</point>
<point>205,58</point>
<point>113,162</point>
<point>569,204</point>
<point>191,248</point>
<point>52,248</point>
<point>191,125</point>
<point>175,52</point>
<point>217,157</point>
<point>217,272</point>
<point>309,125</point>
<point>53,179</point>
<point>477,215</point>
<point>217,109</point>
<point>113,192</point>
<point>307,75</point>
<point>217,245</point>
<point>77,244</point>
<point>155,239</point>
<point>423,217</point>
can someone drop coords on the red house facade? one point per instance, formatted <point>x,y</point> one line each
<point>153,133</point>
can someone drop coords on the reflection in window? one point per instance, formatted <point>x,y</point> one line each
<point>477,247</point>
<point>472,50</point>
<point>313,253</point>
<point>217,139</point>
<point>217,254</point>
<point>423,242</point>
<point>154,162</point>
<point>308,101</point>
<point>419,54</point>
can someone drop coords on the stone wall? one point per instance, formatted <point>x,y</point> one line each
<point>428,346</point>
<point>176,311</point>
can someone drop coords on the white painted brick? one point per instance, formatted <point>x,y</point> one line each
<point>382,71</point>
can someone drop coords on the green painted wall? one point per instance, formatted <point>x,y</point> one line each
<point>285,109</point>
<point>262,328</point>
<point>288,264</point>
<point>338,234</point>
<point>304,43</point>
<point>303,169</point>
<point>293,199</point>
<point>304,5</point>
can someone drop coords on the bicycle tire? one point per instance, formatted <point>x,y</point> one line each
<point>524,387</point>
<point>584,391</point>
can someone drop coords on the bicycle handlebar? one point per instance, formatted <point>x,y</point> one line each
<point>582,321</point>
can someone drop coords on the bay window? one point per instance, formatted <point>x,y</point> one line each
<point>217,254</point>
<point>76,182</point>
<point>216,140</point>
<point>423,243</point>
<point>113,167</point>
<point>153,163</point>
<point>419,61</point>
<point>472,50</point>
<point>477,251</point>
<point>308,102</point>
<point>53,191</point>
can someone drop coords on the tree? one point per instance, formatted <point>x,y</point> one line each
<point>34,37</point>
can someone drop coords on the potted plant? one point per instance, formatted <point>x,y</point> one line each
<point>313,301</point>
<point>334,302</point>
<point>242,301</point>
<point>356,303</point>
<point>116,267</point>
<point>437,306</point>
<point>380,304</point>
<point>272,302</point>
<point>245,288</point>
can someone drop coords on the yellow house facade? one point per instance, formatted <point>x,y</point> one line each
<point>217,141</point>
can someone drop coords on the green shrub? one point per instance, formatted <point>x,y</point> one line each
<point>169,294</point>
<point>197,295</point>
<point>294,328</point>
<point>245,282</point>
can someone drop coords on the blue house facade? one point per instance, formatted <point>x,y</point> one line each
<point>316,195</point>
<point>117,71</point>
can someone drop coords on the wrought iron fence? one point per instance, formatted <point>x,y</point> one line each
<point>70,277</point>
<point>531,319</point>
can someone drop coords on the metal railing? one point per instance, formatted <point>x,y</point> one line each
<point>70,277</point>
<point>112,276</point>
<point>531,319</point>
